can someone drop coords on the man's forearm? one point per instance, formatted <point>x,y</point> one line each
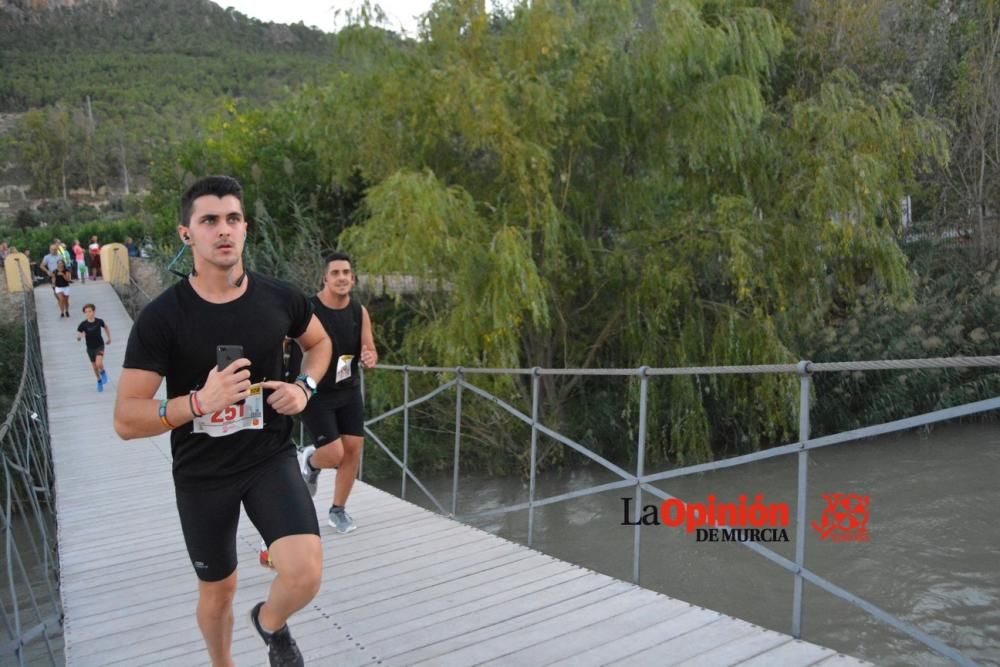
<point>316,360</point>
<point>140,417</point>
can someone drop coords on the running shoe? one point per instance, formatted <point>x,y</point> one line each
<point>100,386</point>
<point>341,520</point>
<point>104,376</point>
<point>309,474</point>
<point>281,648</point>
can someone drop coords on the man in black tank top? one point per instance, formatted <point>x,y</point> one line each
<point>229,419</point>
<point>335,416</point>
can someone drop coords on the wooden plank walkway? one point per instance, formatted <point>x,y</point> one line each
<point>408,587</point>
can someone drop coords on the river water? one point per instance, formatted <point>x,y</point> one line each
<point>933,558</point>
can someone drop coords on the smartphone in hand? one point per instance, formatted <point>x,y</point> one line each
<point>227,354</point>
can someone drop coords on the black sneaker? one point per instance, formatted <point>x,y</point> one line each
<point>281,648</point>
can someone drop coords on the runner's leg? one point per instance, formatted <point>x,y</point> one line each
<point>351,422</point>
<point>347,471</point>
<point>209,519</point>
<point>215,618</point>
<point>280,507</point>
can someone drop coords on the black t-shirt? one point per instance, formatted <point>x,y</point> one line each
<point>92,332</point>
<point>176,336</point>
<point>344,328</point>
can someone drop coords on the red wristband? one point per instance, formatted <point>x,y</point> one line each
<point>198,412</point>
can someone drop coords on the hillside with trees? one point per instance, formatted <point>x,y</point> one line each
<point>99,87</point>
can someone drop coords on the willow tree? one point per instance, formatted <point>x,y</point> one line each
<point>612,184</point>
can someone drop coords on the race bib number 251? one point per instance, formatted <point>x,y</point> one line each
<point>238,417</point>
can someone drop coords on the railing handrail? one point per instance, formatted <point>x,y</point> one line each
<point>810,367</point>
<point>643,482</point>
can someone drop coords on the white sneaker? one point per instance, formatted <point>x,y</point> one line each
<point>309,476</point>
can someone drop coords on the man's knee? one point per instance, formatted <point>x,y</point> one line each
<point>299,561</point>
<point>216,597</point>
<point>352,448</point>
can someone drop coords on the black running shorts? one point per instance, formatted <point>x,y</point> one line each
<point>94,352</point>
<point>276,501</point>
<point>331,414</point>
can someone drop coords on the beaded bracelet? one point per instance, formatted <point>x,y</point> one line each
<point>163,415</point>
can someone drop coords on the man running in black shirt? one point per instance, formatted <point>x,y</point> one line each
<point>230,431</point>
<point>336,417</point>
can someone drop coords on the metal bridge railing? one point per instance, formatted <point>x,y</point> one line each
<point>641,482</point>
<point>29,595</point>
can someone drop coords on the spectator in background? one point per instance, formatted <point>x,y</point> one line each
<point>48,266</point>
<point>94,250</point>
<point>133,249</point>
<point>63,252</point>
<point>79,261</point>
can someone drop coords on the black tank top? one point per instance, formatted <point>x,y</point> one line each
<point>61,280</point>
<point>344,328</point>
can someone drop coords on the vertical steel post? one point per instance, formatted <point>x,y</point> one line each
<point>361,458</point>
<point>458,439</point>
<point>640,470</point>
<point>406,427</point>
<point>535,380</point>
<point>805,385</point>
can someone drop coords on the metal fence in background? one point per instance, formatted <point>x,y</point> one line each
<point>640,482</point>
<point>29,589</point>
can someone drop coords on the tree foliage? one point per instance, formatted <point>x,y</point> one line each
<point>609,184</point>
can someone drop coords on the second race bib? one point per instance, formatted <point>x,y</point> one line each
<point>344,367</point>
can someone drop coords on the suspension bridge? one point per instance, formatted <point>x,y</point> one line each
<point>411,587</point>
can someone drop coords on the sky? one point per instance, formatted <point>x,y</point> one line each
<point>322,13</point>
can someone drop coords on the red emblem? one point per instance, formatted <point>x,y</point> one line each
<point>845,518</point>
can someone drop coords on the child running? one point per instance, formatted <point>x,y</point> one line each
<point>91,329</point>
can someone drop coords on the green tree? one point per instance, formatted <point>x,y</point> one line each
<point>973,184</point>
<point>606,184</point>
<point>44,140</point>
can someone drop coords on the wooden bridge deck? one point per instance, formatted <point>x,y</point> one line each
<point>408,587</point>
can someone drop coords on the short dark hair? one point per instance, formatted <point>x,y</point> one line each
<point>337,256</point>
<point>88,305</point>
<point>220,186</point>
